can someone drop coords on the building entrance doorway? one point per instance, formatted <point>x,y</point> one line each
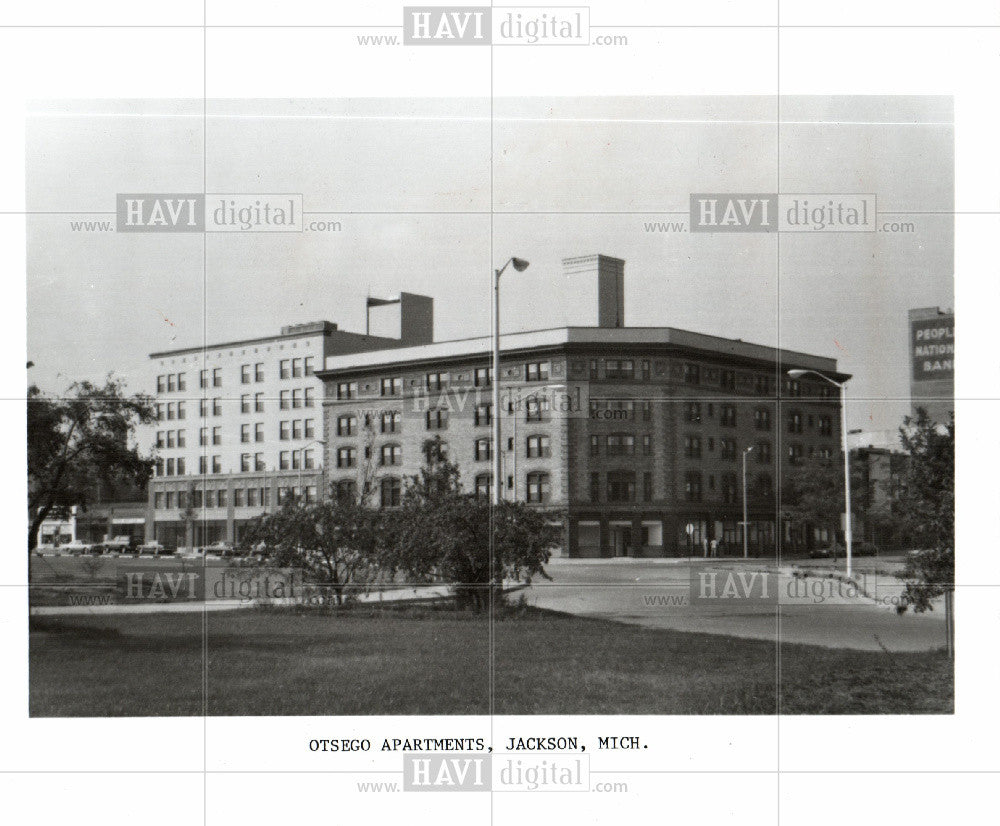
<point>620,537</point>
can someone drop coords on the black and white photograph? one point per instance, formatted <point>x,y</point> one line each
<point>566,414</point>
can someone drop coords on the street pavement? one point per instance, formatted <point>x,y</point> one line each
<point>820,608</point>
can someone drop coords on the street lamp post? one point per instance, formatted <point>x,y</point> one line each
<point>302,462</point>
<point>520,265</point>
<point>795,374</point>
<point>746,524</point>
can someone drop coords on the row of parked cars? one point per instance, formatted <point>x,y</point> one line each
<point>118,545</point>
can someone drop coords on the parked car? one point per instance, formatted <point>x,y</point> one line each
<point>833,552</point>
<point>77,546</point>
<point>865,549</point>
<point>153,548</point>
<point>118,544</point>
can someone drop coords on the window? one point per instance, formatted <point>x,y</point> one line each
<point>536,371</point>
<point>694,412</point>
<point>182,382</point>
<point>619,369</point>
<point>794,422</point>
<point>161,384</point>
<point>258,371</point>
<point>285,462</point>
<point>258,402</point>
<point>536,409</point>
<point>202,465</point>
<point>171,411</point>
<point>730,489</point>
<point>727,448</point>
<point>181,411</point>
<point>216,435</point>
<point>621,486</point>
<point>794,453</point>
<point>160,440</point>
<point>793,388</point>
<point>170,467</point>
<point>763,451</point>
<point>217,377</point>
<point>727,379</point>
<point>483,450</point>
<point>762,385</point>
<point>158,500</point>
<point>307,365</point>
<point>258,462</point>
<point>347,425</point>
<point>245,374</point>
<point>180,466</point>
<point>647,445</point>
<point>308,460</point>
<point>244,462</point>
<point>296,399</point>
<point>284,372</point>
<point>483,376</point>
<point>310,428</point>
<point>171,439</point>
<point>345,490</point>
<point>171,383</point>
<point>594,375</point>
<point>483,415</point>
<point>283,400</point>
<point>595,487</point>
<point>159,412</point>
<point>391,491</point>
<point>434,381</point>
<point>389,422</point>
<point>202,437</point>
<point>170,499</point>
<point>346,457</point>
<point>216,407</point>
<point>347,389</point>
<point>284,431</point>
<point>203,379</point>
<point>216,464</point>
<point>484,486</point>
<point>258,432</point>
<point>391,386</point>
<point>296,368</point>
<point>436,419</point>
<point>435,451</point>
<point>297,429</point>
<point>692,486</point>
<point>692,374</point>
<point>647,411</point>
<point>244,433</point>
<point>252,495</point>
<point>692,447</point>
<point>645,370</point>
<point>727,415</point>
<point>203,408</point>
<point>595,445</point>
<point>391,455</point>
<point>825,425</point>
<point>239,497</point>
<point>245,403</point>
<point>538,487</point>
<point>621,444</point>
<point>762,418</point>
<point>647,487</point>
<point>308,399</point>
<point>539,447</point>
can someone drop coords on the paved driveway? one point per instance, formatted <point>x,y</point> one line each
<point>814,609</point>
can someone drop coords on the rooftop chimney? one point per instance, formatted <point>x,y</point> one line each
<point>597,287</point>
<point>408,317</point>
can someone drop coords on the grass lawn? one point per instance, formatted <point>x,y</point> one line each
<point>427,661</point>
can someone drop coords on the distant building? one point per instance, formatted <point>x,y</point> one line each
<point>636,434</point>
<point>932,359</point>
<point>239,424</point>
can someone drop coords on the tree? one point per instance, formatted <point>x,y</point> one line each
<point>927,503</point>
<point>334,540</point>
<point>441,532</point>
<point>813,493</point>
<point>80,441</point>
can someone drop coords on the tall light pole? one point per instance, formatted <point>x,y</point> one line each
<point>302,462</point>
<point>796,374</point>
<point>520,265</point>
<point>746,524</point>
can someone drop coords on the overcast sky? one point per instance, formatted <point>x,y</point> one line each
<point>569,177</point>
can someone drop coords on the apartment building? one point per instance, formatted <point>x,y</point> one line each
<point>636,435</point>
<point>239,424</point>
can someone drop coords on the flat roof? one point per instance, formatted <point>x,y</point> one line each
<point>563,337</point>
<point>294,333</point>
